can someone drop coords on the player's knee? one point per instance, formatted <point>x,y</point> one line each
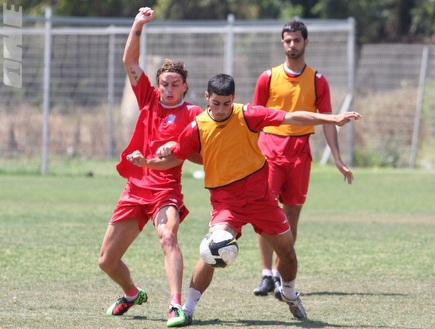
<point>107,264</point>
<point>168,241</point>
<point>103,264</point>
<point>288,255</point>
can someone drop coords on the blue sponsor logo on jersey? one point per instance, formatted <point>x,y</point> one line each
<point>170,118</point>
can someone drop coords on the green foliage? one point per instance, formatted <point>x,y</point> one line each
<point>206,9</point>
<point>94,8</point>
<point>386,20</point>
<point>423,18</point>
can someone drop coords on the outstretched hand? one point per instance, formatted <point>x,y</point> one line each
<point>346,117</point>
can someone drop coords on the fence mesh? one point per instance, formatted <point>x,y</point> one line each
<point>92,108</point>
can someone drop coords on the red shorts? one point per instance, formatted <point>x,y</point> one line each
<point>143,204</point>
<point>289,166</point>
<point>249,201</point>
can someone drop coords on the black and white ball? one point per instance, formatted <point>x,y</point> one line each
<point>219,248</point>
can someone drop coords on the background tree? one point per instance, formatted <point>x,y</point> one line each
<point>205,9</point>
<point>383,20</point>
<point>377,20</point>
<point>423,19</point>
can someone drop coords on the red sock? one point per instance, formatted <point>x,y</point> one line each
<point>176,299</point>
<point>132,292</point>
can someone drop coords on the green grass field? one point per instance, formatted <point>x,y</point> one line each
<point>366,254</point>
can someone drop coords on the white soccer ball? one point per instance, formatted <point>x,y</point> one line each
<point>219,248</point>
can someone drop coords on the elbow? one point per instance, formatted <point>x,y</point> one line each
<point>127,62</point>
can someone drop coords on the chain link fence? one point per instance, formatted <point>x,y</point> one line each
<point>75,101</point>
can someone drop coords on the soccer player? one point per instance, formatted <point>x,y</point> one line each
<point>292,86</point>
<point>226,136</point>
<point>150,194</point>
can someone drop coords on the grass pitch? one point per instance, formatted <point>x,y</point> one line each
<point>366,255</point>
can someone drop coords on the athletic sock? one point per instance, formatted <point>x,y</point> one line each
<point>267,272</point>
<point>175,299</point>
<point>288,289</point>
<point>192,300</point>
<point>275,274</point>
<point>132,294</point>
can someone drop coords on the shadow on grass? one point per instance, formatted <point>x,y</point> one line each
<point>264,323</point>
<point>338,293</point>
<point>307,323</point>
<point>249,323</point>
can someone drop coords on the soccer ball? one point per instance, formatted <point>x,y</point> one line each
<point>219,248</point>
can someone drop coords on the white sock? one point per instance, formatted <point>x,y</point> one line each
<point>288,289</point>
<point>275,274</point>
<point>131,298</point>
<point>267,272</point>
<point>192,299</point>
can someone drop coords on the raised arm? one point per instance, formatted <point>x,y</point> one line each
<point>132,46</point>
<point>304,118</point>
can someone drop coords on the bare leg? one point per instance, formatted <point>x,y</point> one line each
<point>202,276</point>
<point>167,223</point>
<point>118,238</point>
<point>266,252</point>
<point>292,213</point>
<point>283,246</point>
<point>267,282</point>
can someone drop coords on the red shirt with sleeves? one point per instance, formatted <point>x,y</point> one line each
<point>155,126</point>
<point>257,117</point>
<point>323,100</point>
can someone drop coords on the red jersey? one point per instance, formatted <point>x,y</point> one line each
<point>155,126</point>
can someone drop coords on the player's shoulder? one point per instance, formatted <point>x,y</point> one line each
<point>264,77</point>
<point>250,109</point>
<point>321,79</point>
<point>192,109</point>
<point>319,75</point>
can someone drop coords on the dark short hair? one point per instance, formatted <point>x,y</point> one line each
<point>295,25</point>
<point>173,65</point>
<point>222,85</point>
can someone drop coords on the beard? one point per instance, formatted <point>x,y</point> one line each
<point>295,55</point>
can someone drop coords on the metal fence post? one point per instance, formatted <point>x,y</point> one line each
<point>229,47</point>
<point>351,84</point>
<point>110,91</point>
<point>419,106</point>
<point>46,88</point>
